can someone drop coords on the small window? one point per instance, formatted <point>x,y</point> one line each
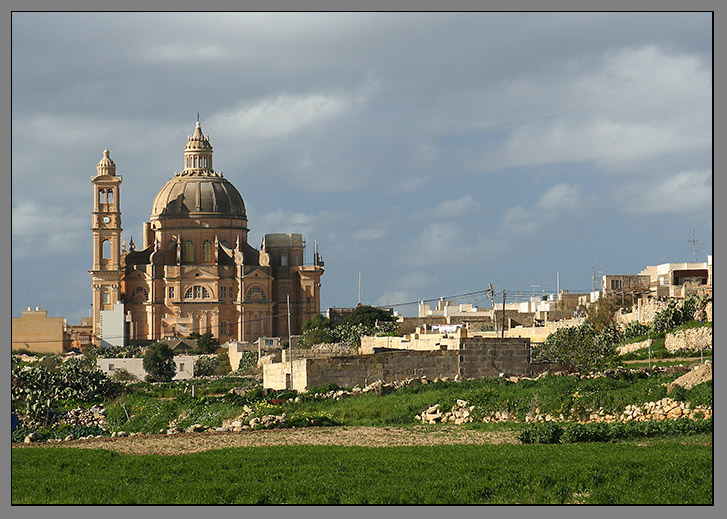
<point>106,298</point>
<point>223,328</point>
<point>181,366</point>
<point>223,292</point>
<point>111,367</point>
<point>188,252</point>
<point>171,292</point>
<point>284,259</point>
<point>208,252</point>
<point>297,260</point>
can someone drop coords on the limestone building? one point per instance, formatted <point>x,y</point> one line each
<point>194,270</point>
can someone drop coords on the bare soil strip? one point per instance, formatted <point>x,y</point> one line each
<point>189,443</point>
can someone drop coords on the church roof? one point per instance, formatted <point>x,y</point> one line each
<point>187,196</point>
<point>198,190</point>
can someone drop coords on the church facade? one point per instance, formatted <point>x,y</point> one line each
<point>194,270</point>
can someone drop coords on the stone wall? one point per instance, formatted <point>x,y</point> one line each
<point>476,357</point>
<point>485,357</point>
<point>628,348</point>
<point>361,370</point>
<point>135,366</point>
<point>692,339</point>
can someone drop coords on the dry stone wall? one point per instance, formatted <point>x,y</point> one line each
<point>628,348</point>
<point>693,339</point>
<point>476,357</point>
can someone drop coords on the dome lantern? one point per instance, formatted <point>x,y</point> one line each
<point>198,154</point>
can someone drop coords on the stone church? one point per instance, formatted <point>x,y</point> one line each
<point>194,270</point>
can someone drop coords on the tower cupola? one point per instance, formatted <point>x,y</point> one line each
<point>106,166</point>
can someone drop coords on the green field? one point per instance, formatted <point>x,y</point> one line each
<point>668,471</point>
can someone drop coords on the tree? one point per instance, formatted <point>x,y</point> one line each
<point>206,343</point>
<point>159,362</point>
<point>315,336</point>
<point>316,330</point>
<point>368,316</point>
<point>602,313</point>
<point>318,321</point>
<point>581,347</point>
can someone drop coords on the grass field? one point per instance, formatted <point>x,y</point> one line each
<point>666,471</point>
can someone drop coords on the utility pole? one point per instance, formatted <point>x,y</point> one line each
<point>290,346</point>
<point>490,294</point>
<point>504,295</point>
<point>694,242</point>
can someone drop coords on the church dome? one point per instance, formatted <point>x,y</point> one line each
<point>196,195</point>
<point>198,191</point>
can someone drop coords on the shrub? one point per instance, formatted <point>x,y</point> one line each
<point>248,362</point>
<point>205,366</point>
<point>315,336</point>
<point>547,432</point>
<point>634,329</point>
<point>603,432</point>
<point>223,364</point>
<point>159,363</point>
<point>580,346</point>
<point>325,388</point>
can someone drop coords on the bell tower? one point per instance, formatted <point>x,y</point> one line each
<point>106,228</point>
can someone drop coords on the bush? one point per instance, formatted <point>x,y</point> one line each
<point>580,347</point>
<point>122,375</point>
<point>248,362</point>
<point>159,363</point>
<point>634,329</point>
<point>223,364</point>
<point>205,366</point>
<point>315,336</point>
<point>549,432</point>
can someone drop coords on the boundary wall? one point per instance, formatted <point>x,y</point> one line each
<point>475,357</point>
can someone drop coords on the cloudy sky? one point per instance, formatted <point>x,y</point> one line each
<point>434,153</point>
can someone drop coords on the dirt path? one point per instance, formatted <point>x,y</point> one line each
<point>189,443</point>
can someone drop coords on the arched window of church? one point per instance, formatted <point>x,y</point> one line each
<point>188,252</point>
<point>101,196</point>
<point>110,196</point>
<point>197,292</point>
<point>171,243</point>
<point>255,294</point>
<point>140,294</point>
<point>106,249</point>
<point>208,252</point>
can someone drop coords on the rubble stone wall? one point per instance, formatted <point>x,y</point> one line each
<point>476,357</point>
<point>691,339</point>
